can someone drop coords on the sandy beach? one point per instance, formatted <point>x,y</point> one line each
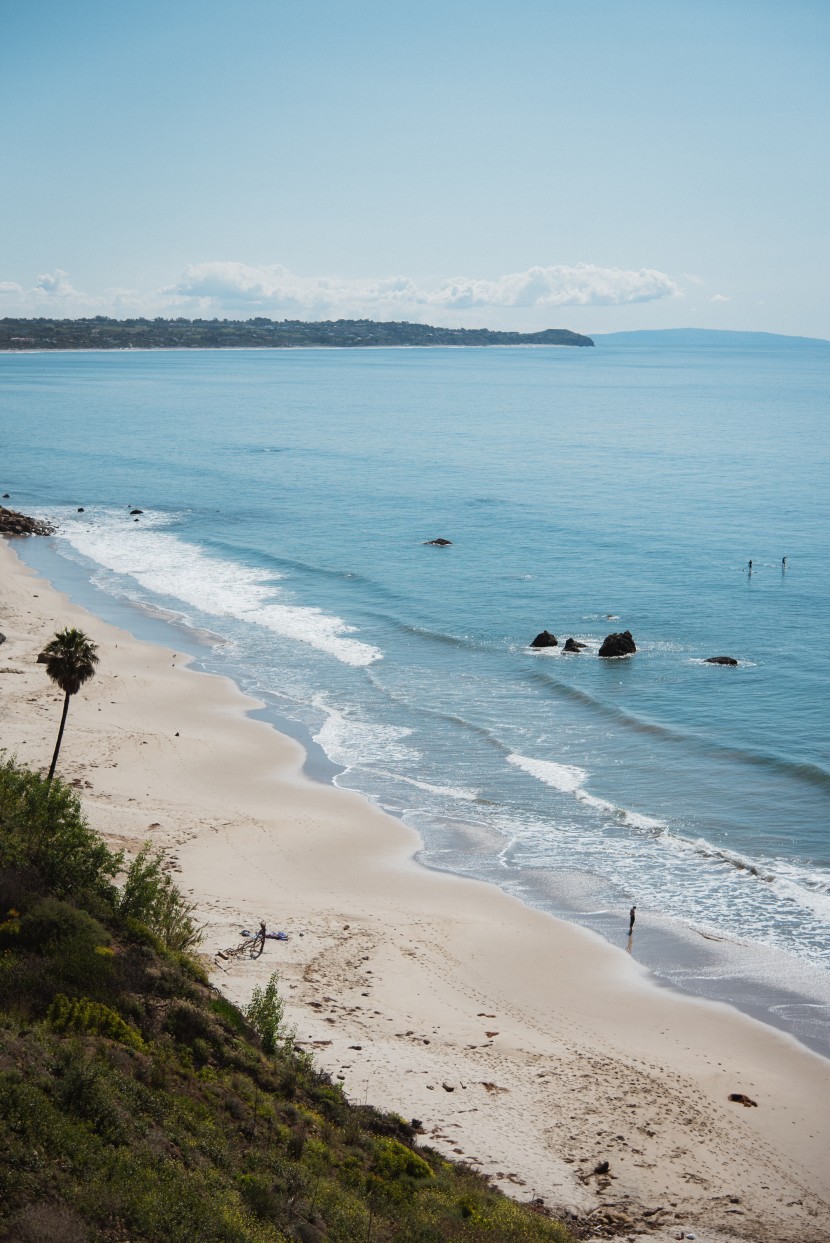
<point>527,1047</point>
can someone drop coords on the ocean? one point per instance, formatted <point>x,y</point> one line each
<point>286,501</point>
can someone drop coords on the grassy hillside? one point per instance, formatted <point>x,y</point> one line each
<point>137,1104</point>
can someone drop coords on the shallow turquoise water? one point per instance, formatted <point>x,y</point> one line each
<point>287,497</point>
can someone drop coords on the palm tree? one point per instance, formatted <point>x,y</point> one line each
<point>71,658</point>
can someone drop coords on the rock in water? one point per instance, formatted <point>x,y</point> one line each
<point>573,645</point>
<point>13,523</point>
<point>621,644</point>
<point>720,660</point>
<point>545,639</point>
<point>438,543</point>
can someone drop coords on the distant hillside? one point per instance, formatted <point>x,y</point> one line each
<point>701,336</point>
<point>101,333</point>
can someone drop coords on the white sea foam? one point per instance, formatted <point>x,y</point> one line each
<point>601,804</point>
<point>468,796</point>
<point>638,821</point>
<point>349,741</point>
<point>564,777</point>
<point>167,566</point>
<point>569,779</point>
<point>635,819</point>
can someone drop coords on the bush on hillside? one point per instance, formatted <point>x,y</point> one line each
<point>265,1014</point>
<point>82,1014</point>
<point>151,898</point>
<point>43,831</point>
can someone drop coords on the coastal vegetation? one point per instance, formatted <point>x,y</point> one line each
<point>137,1103</point>
<point>101,333</point>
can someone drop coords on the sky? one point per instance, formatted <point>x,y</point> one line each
<point>604,166</point>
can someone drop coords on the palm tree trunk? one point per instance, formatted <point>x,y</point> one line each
<point>54,763</point>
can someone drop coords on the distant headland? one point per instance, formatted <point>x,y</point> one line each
<point>101,333</point>
<point>685,338</point>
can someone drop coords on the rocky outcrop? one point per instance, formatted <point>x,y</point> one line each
<point>136,511</point>
<point>621,644</point>
<point>436,543</point>
<point>13,523</point>
<point>720,660</point>
<point>545,639</point>
<point>573,645</point>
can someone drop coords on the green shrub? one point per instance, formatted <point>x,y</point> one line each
<point>65,950</point>
<point>395,1160</point>
<point>43,829</point>
<point>52,926</point>
<point>257,1195</point>
<point>81,1014</point>
<point>188,1022</point>
<point>229,1014</point>
<point>265,1014</point>
<point>151,898</point>
<point>84,1088</point>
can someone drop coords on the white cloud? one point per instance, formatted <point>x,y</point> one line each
<point>584,284</point>
<point>239,291</point>
<point>720,297</point>
<point>274,288</point>
<point>51,293</point>
<point>55,285</point>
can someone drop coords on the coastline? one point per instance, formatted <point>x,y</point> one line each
<point>274,349</point>
<point>395,974</point>
<point>786,993</point>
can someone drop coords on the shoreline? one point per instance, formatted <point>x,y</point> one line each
<point>784,993</point>
<point>274,349</point>
<point>431,994</point>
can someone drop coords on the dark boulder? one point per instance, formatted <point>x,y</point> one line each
<point>13,523</point>
<point>438,543</point>
<point>573,645</point>
<point>720,660</point>
<point>136,511</point>
<point>545,639</point>
<point>2,638</point>
<point>621,644</point>
<point>80,509</point>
